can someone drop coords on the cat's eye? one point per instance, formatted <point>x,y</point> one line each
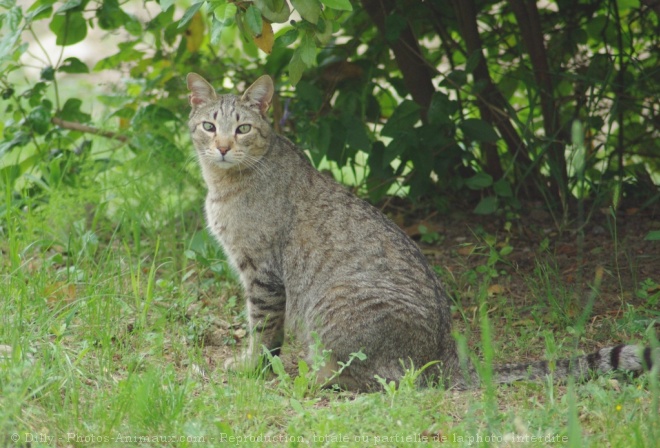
<point>243,129</point>
<point>208,126</point>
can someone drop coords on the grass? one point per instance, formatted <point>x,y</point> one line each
<point>112,291</point>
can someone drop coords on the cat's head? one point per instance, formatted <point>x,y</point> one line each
<point>229,131</point>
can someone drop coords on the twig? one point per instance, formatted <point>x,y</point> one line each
<point>87,129</point>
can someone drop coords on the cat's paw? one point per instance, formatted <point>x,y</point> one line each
<point>244,361</point>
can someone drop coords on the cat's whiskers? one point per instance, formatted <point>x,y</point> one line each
<point>257,164</point>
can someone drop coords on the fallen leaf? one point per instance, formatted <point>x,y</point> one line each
<point>466,249</point>
<point>239,334</point>
<point>195,33</point>
<point>266,39</point>
<point>60,292</point>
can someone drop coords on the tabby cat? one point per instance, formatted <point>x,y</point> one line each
<point>314,258</point>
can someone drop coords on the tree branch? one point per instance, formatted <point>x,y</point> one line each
<point>528,19</point>
<point>415,70</point>
<point>492,105</point>
<point>73,126</point>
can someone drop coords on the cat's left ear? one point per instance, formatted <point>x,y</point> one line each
<point>200,90</point>
<point>260,94</point>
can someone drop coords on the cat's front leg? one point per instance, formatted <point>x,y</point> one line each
<point>266,310</point>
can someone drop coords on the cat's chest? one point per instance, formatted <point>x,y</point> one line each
<point>224,217</point>
<point>240,221</point>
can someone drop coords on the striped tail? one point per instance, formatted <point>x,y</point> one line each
<point>630,358</point>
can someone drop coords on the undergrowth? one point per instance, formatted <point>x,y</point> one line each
<point>109,300</point>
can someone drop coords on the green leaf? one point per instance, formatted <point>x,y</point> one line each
<point>11,31</point>
<point>296,67</point>
<point>20,139</point>
<point>110,16</point>
<point>344,5</point>
<point>70,28</point>
<point>627,4</point>
<point>309,10</point>
<point>73,65</point>
<point>278,367</point>
<point>303,368</point>
<point>188,15</point>
<point>394,26</point>
<point>223,16</point>
<point>151,114</point>
<point>71,111</point>
<point>296,406</point>
<point>308,50</point>
<point>653,235</point>
<point>126,53</point>
<point>486,206</point>
<point>39,119</point>
<point>403,119</point>
<point>473,61</point>
<point>358,355</point>
<point>47,73</point>
<point>165,4</point>
<point>287,38</point>
<point>479,130</point>
<point>253,20</point>
<point>441,109</point>
<point>68,5</point>
<point>455,79</point>
<point>274,11</point>
<point>503,189</point>
<point>479,181</point>
<point>39,12</point>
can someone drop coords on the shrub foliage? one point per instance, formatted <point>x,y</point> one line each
<point>441,99</point>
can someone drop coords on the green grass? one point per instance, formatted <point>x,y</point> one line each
<point>109,293</point>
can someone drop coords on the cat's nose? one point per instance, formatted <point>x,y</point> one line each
<point>223,149</point>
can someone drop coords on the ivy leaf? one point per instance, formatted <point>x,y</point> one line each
<point>487,206</point>
<point>479,130</point>
<point>344,5</point>
<point>110,16</point>
<point>71,111</point>
<point>70,28</point>
<point>253,20</point>
<point>309,10</point>
<point>73,65</point>
<point>188,15</point>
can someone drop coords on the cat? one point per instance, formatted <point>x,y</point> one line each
<point>316,259</point>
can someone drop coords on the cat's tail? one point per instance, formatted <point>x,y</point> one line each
<point>630,358</point>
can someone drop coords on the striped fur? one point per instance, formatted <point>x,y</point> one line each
<point>314,258</point>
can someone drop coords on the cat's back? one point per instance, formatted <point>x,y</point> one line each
<point>340,245</point>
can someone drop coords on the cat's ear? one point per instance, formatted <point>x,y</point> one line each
<point>260,94</point>
<point>200,90</point>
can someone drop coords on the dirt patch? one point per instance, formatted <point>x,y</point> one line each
<point>609,261</point>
